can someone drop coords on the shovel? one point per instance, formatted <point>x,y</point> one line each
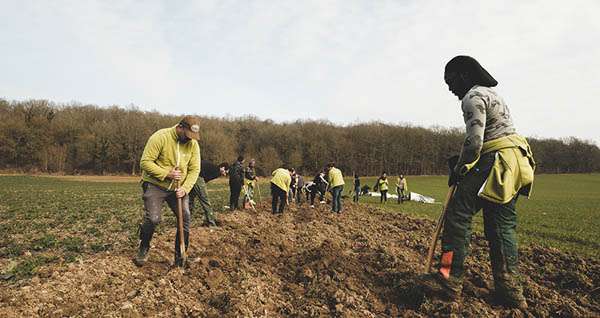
<point>438,229</point>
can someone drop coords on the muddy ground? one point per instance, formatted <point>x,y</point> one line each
<point>304,263</point>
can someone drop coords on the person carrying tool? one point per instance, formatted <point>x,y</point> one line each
<point>250,179</point>
<point>401,188</point>
<point>382,185</point>
<point>494,167</point>
<point>171,156</point>
<point>336,183</point>
<point>280,187</point>
<point>236,180</point>
<point>208,172</point>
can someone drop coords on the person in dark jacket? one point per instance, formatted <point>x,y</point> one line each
<point>356,187</point>
<point>236,180</point>
<point>322,184</point>
<point>208,172</point>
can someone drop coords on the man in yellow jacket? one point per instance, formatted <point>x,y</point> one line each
<point>280,187</point>
<point>171,156</point>
<point>336,184</point>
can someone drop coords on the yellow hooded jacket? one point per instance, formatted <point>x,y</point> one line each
<point>163,152</point>
<point>335,177</point>
<point>282,179</point>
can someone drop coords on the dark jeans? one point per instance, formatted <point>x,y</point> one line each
<point>199,191</point>
<point>278,196</point>
<point>356,193</point>
<point>298,195</point>
<point>234,195</point>
<point>500,222</point>
<point>313,195</point>
<point>383,196</point>
<point>154,197</point>
<point>336,201</point>
<point>400,195</point>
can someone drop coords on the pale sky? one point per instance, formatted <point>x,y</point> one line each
<point>344,61</point>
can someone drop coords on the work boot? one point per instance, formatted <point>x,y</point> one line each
<point>509,292</point>
<point>142,255</point>
<point>434,285</point>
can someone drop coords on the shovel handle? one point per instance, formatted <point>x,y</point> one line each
<point>438,229</point>
<point>180,225</point>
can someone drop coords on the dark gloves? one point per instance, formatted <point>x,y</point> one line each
<point>453,177</point>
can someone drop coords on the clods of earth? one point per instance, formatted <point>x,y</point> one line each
<point>305,263</point>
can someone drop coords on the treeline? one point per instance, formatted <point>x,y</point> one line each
<point>40,136</point>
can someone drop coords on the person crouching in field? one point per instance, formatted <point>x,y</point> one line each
<point>280,187</point>
<point>208,172</point>
<point>494,167</point>
<point>336,183</point>
<point>401,188</point>
<point>383,186</point>
<point>171,156</point>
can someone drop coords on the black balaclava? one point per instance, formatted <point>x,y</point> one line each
<point>463,64</point>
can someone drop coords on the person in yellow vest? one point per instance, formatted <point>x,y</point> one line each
<point>336,185</point>
<point>171,156</point>
<point>280,187</point>
<point>401,188</point>
<point>382,185</point>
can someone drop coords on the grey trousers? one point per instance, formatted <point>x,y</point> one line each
<point>154,197</point>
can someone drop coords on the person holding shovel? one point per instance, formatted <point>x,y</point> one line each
<point>250,180</point>
<point>494,167</point>
<point>171,157</point>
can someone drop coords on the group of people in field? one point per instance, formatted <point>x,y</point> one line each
<point>494,167</point>
<point>382,185</point>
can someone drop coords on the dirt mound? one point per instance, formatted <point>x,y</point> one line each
<point>305,263</point>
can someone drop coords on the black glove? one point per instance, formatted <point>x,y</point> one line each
<point>453,177</point>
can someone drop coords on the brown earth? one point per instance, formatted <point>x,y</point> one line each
<point>305,263</point>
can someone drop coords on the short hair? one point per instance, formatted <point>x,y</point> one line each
<point>224,165</point>
<point>331,164</point>
<point>240,158</point>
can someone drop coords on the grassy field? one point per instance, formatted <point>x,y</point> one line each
<point>563,211</point>
<point>58,220</point>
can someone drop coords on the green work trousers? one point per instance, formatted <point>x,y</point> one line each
<point>500,222</point>
<point>199,190</point>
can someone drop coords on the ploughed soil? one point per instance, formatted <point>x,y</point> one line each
<point>304,263</point>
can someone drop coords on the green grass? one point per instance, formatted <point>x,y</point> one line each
<point>46,220</point>
<point>563,211</point>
